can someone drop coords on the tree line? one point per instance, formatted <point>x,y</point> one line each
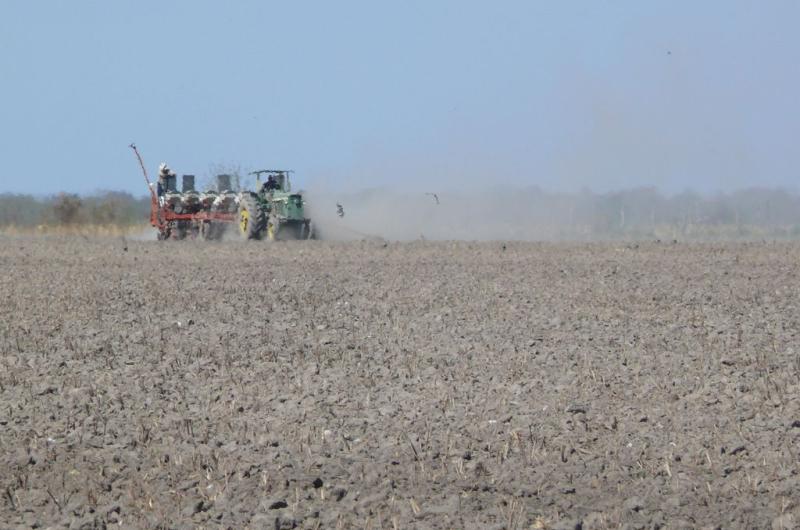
<point>639,212</point>
<point>645,211</point>
<point>103,208</point>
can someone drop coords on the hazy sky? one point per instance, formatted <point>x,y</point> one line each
<point>557,94</point>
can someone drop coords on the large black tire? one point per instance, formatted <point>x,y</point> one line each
<point>278,230</point>
<point>296,230</point>
<point>252,218</point>
<point>308,231</point>
<point>284,230</point>
<point>182,230</point>
<point>273,228</point>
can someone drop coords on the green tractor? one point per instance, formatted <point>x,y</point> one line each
<point>273,211</point>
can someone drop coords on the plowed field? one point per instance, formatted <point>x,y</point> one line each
<point>415,385</point>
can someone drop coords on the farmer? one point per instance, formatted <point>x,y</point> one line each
<point>164,172</point>
<point>271,184</point>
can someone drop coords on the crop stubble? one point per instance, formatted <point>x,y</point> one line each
<point>371,385</point>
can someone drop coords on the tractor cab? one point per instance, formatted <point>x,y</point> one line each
<point>273,180</point>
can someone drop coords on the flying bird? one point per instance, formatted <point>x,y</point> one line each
<point>436,197</point>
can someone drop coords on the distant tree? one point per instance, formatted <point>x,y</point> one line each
<point>115,207</point>
<point>20,210</point>
<point>67,208</point>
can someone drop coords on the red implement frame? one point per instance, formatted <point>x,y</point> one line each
<point>161,216</point>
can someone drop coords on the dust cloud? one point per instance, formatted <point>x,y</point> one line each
<point>532,214</point>
<point>404,216</point>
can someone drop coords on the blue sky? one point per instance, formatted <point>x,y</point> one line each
<point>561,95</point>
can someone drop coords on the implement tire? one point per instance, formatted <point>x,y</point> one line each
<point>211,230</point>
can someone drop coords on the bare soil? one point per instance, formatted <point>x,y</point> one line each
<point>416,385</point>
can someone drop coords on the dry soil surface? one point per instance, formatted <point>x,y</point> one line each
<point>416,385</point>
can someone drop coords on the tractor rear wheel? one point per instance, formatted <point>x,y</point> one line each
<point>252,220</point>
<point>296,231</point>
<point>308,231</point>
<point>273,227</point>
